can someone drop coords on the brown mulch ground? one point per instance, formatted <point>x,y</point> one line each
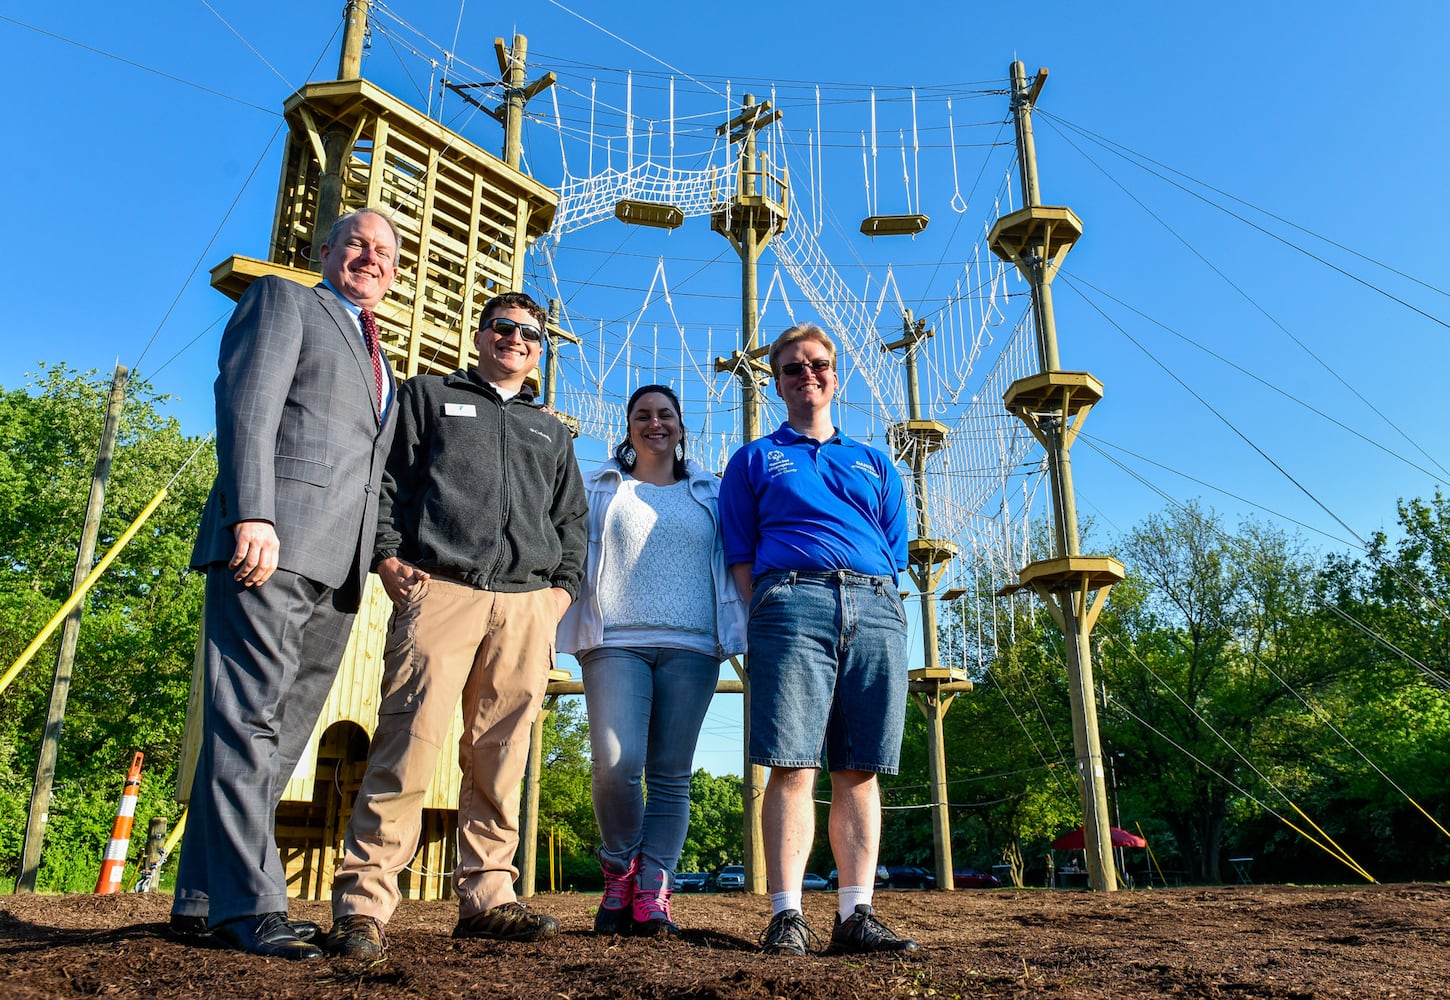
<point>1241,942</point>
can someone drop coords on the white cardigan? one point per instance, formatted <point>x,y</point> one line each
<point>582,627</point>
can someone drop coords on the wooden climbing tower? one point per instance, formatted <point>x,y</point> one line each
<point>466,219</point>
<point>1054,405</point>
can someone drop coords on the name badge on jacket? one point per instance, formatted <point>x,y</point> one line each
<point>459,410</point>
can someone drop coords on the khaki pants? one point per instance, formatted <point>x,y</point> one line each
<point>496,650</point>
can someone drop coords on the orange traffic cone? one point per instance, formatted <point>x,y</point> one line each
<point>113,866</point>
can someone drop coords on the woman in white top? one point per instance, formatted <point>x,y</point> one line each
<point>657,612</point>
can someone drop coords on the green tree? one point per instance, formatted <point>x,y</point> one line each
<point>566,807</point>
<point>133,661</point>
<point>1247,680</point>
<point>1384,618</point>
<point>1203,652</point>
<point>1008,742</point>
<point>717,815</point>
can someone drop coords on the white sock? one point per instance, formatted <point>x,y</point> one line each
<point>782,901</point>
<point>849,896</point>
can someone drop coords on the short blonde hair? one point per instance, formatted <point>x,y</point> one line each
<point>795,334</point>
<point>343,224</point>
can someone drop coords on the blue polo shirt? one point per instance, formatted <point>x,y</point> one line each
<point>788,502</point>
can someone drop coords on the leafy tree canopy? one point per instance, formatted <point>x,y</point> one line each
<point>133,660</point>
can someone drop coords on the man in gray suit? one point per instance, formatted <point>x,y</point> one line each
<point>303,428</point>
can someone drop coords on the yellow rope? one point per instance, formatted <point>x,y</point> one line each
<point>80,592</point>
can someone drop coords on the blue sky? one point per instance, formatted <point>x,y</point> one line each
<point>145,148</point>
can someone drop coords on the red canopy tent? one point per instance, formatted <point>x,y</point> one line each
<point>1076,841</point>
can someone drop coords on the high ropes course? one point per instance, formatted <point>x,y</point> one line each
<point>660,301</point>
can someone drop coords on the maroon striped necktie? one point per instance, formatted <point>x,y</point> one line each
<point>370,334</point>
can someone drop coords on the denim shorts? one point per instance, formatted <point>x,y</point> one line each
<point>828,671</point>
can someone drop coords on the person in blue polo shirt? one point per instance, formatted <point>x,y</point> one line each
<point>814,527</point>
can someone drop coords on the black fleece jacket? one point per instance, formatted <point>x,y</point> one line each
<point>481,490</point>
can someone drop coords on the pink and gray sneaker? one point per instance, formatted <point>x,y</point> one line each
<point>652,914</point>
<point>617,908</point>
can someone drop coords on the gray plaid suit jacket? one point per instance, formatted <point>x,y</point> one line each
<point>299,442</point>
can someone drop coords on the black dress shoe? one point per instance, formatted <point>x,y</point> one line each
<point>266,934</point>
<point>189,930</point>
<point>195,930</point>
<point>306,930</point>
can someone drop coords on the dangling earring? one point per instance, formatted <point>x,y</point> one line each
<point>629,455</point>
<point>680,451</point>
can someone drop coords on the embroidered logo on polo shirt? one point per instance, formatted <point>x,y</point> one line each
<point>866,467</point>
<point>777,463</point>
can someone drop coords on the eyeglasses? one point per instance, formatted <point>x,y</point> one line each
<point>793,369</point>
<point>504,327</point>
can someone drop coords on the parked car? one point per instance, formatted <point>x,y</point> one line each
<point>813,883</point>
<point>909,877</point>
<point>728,878</point>
<point>882,877</point>
<point>691,881</point>
<point>970,878</point>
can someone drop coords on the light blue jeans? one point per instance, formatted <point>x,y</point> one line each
<point>645,708</point>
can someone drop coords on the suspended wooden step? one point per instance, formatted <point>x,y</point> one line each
<point>953,675</point>
<point>893,225</point>
<point>658,214</point>
<point>930,551</point>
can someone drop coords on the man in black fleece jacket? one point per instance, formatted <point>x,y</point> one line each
<point>480,545</point>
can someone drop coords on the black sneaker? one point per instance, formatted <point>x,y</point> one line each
<point>357,937</point>
<point>862,932</point>
<point>787,934</point>
<point>507,922</point>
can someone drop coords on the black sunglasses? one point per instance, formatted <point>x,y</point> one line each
<point>794,368</point>
<point>504,327</point>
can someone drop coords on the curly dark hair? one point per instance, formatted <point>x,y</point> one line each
<point>513,300</point>
<point>624,454</point>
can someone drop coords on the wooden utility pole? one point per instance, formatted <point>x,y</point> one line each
<point>337,141</point>
<point>559,681</point>
<point>39,813</point>
<point>512,66</point>
<point>551,359</point>
<point>913,441</point>
<point>553,335</point>
<point>354,34</point>
<point>749,221</point>
<point>528,851</point>
<point>513,69</point>
<point>933,686</point>
<point>1054,404</point>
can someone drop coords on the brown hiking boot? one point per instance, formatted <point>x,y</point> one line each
<point>358,937</point>
<point>507,922</point>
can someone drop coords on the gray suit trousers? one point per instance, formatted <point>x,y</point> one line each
<point>271,655</point>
